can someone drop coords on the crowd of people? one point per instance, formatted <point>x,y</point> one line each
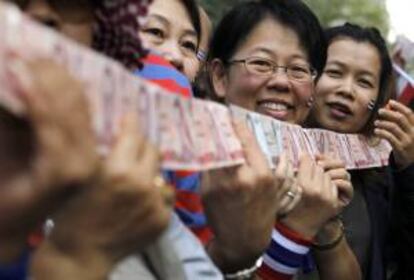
<point>68,213</point>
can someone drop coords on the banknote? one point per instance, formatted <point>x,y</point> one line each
<point>191,134</point>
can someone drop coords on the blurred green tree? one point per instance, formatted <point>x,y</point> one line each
<point>330,12</point>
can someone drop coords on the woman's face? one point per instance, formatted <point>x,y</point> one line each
<point>168,31</point>
<point>71,18</point>
<point>349,83</point>
<point>277,95</point>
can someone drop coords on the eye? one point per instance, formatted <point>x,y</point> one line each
<point>260,65</point>
<point>155,32</point>
<point>365,83</point>
<point>333,73</point>
<point>189,45</point>
<point>299,69</point>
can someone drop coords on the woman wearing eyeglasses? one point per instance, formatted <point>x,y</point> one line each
<point>265,56</point>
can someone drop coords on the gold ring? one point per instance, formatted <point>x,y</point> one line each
<point>166,189</point>
<point>159,182</point>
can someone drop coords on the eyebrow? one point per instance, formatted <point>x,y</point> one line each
<point>270,53</point>
<point>363,72</point>
<point>189,32</point>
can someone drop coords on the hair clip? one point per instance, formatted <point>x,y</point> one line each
<point>371,105</point>
<point>201,55</point>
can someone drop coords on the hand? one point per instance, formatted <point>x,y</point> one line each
<point>121,214</point>
<point>335,168</point>
<point>319,200</point>
<point>293,191</point>
<point>45,153</point>
<point>396,124</point>
<point>241,204</point>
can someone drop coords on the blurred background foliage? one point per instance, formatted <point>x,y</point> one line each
<point>330,12</point>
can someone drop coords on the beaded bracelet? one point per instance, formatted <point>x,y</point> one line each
<point>334,243</point>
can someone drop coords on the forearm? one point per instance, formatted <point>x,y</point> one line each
<point>227,260</point>
<point>338,262</point>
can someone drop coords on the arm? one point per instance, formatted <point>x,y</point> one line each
<point>339,261</point>
<point>241,204</point>
<point>35,175</point>
<point>396,125</point>
<point>336,261</point>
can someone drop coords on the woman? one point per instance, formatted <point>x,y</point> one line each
<point>85,21</point>
<point>172,29</point>
<point>265,56</point>
<point>351,95</point>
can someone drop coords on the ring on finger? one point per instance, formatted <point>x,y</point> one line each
<point>291,194</point>
<point>165,189</point>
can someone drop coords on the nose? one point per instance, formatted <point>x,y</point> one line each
<point>171,51</point>
<point>279,79</point>
<point>346,88</point>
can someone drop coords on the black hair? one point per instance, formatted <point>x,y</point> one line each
<point>237,25</point>
<point>194,13</point>
<point>372,36</point>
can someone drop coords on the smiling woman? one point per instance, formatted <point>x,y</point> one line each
<point>172,29</point>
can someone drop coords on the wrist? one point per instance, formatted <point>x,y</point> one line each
<point>330,236</point>
<point>50,262</point>
<point>286,254</point>
<point>230,260</point>
<point>307,232</point>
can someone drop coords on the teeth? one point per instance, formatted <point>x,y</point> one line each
<point>275,106</point>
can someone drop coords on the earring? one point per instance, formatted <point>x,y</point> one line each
<point>310,101</point>
<point>371,105</point>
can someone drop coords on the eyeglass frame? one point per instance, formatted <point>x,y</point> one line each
<point>313,72</point>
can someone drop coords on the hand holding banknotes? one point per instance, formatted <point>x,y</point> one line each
<point>335,168</point>
<point>44,154</point>
<point>121,213</point>
<point>396,124</point>
<point>319,201</point>
<point>241,204</point>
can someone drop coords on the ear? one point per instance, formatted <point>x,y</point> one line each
<point>218,76</point>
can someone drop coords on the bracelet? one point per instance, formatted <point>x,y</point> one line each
<point>245,274</point>
<point>335,242</point>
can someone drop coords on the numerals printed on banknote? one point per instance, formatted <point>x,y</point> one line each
<point>191,134</point>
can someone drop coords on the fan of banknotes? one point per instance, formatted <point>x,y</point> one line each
<point>191,134</point>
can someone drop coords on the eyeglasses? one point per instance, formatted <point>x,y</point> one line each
<point>265,67</point>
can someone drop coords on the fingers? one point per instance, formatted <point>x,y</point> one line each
<point>345,192</point>
<point>399,107</point>
<point>328,162</point>
<point>306,170</point>
<point>389,136</point>
<point>339,174</point>
<point>290,199</point>
<point>284,174</point>
<point>253,154</point>
<point>398,120</point>
<point>128,142</point>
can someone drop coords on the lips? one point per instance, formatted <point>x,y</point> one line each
<point>339,110</point>
<point>277,109</point>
